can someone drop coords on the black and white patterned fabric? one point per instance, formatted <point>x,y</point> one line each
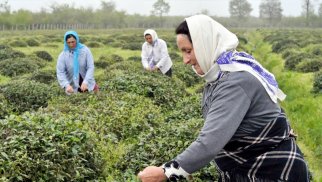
<point>269,154</point>
<point>174,172</point>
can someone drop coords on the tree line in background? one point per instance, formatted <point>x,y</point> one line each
<point>65,16</point>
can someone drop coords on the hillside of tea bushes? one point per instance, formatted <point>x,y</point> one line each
<point>138,118</point>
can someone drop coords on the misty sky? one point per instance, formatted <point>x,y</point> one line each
<point>178,7</point>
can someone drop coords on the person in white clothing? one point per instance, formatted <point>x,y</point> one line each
<point>155,54</point>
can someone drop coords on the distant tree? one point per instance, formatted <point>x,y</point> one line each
<point>240,9</point>
<point>160,8</point>
<point>4,7</point>
<point>22,17</point>
<point>320,10</point>
<point>205,12</point>
<point>271,10</point>
<point>308,10</point>
<point>109,7</point>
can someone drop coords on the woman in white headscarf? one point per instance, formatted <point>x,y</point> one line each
<point>155,54</point>
<point>245,132</point>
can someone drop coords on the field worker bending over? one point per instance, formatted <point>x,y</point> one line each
<point>245,131</point>
<point>75,66</point>
<point>155,54</point>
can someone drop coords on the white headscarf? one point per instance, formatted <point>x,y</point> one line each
<point>210,40</point>
<point>153,34</point>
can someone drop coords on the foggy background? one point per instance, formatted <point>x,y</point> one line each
<point>102,14</point>
<point>178,7</point>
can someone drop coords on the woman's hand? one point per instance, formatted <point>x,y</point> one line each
<point>152,174</point>
<point>84,87</point>
<point>69,89</point>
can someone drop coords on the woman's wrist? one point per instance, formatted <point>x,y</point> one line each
<point>174,172</point>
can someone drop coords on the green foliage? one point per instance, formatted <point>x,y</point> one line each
<point>106,60</point>
<point>311,65</point>
<point>32,43</point>
<point>317,51</point>
<point>18,43</point>
<point>44,76</point>
<point>186,108</point>
<point>7,52</point>
<point>107,41</point>
<point>94,44</point>
<point>242,39</point>
<point>283,45</point>
<point>38,148</point>
<point>164,91</point>
<point>132,46</point>
<point>162,144</point>
<point>175,56</point>
<point>43,55</point>
<point>5,107</point>
<point>186,74</point>
<point>26,95</point>
<point>317,83</point>
<point>18,66</point>
<point>288,52</point>
<point>134,58</point>
<point>293,60</point>
<point>111,115</point>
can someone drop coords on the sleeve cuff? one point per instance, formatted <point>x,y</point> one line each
<point>174,172</point>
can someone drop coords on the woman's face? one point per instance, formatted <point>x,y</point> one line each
<point>148,38</point>
<point>71,42</point>
<point>188,53</point>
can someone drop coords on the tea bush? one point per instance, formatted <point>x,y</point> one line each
<point>132,46</point>
<point>164,91</point>
<point>161,144</point>
<point>43,55</point>
<point>288,52</point>
<point>186,74</point>
<point>18,43</point>
<point>107,41</point>
<point>44,76</point>
<point>32,43</point>
<point>101,63</point>
<point>94,44</point>
<point>293,60</point>
<point>116,58</point>
<point>106,60</point>
<point>317,83</point>
<point>311,65</point>
<point>18,66</point>
<point>283,45</point>
<point>120,67</point>
<point>5,108</point>
<point>38,148</point>
<point>111,116</point>
<point>242,39</point>
<point>185,109</point>
<point>175,56</point>
<point>24,95</point>
<point>317,51</point>
<point>7,52</point>
<point>134,58</point>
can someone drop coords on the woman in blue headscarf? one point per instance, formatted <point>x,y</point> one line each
<point>75,66</point>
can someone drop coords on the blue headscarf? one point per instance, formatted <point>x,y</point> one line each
<point>75,52</point>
